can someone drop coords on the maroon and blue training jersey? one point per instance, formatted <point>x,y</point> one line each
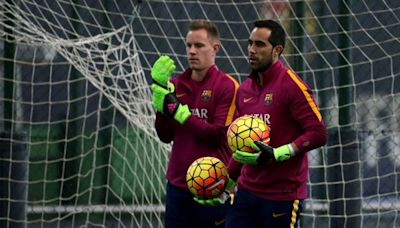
<point>287,106</point>
<point>212,104</point>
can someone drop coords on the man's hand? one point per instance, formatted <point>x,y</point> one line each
<point>162,70</point>
<point>167,103</point>
<point>265,153</point>
<point>221,199</point>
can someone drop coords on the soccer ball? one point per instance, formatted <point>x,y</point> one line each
<point>207,177</point>
<point>245,130</point>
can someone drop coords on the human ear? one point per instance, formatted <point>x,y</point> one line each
<point>216,47</point>
<point>278,50</point>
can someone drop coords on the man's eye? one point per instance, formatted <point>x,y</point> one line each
<point>259,44</point>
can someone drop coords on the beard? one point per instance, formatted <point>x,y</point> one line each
<point>263,66</point>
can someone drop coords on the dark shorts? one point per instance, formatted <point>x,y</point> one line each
<point>251,211</point>
<point>183,211</point>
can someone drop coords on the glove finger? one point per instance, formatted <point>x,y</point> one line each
<point>201,201</point>
<point>153,87</point>
<point>162,59</point>
<point>230,186</point>
<point>215,202</point>
<point>166,62</point>
<point>240,156</point>
<point>165,58</point>
<point>156,96</point>
<point>197,200</point>
<point>242,153</point>
<point>263,147</point>
<point>236,156</point>
<point>157,64</point>
<point>161,63</point>
<point>254,146</point>
<point>156,103</point>
<point>209,202</point>
<point>171,67</point>
<point>245,157</point>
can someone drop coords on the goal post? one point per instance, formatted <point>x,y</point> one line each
<point>74,79</point>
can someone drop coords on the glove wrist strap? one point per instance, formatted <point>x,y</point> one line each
<point>159,84</point>
<point>292,153</point>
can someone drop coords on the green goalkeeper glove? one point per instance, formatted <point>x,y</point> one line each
<point>162,70</point>
<point>167,103</point>
<point>221,199</point>
<point>157,97</point>
<point>264,154</point>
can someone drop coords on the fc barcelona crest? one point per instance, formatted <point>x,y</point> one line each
<point>206,95</point>
<point>268,99</point>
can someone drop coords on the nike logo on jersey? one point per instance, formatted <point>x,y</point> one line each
<point>217,223</point>
<point>247,100</point>
<point>276,215</point>
<point>180,95</point>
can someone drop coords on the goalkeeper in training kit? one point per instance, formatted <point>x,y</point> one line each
<point>273,179</point>
<point>194,111</point>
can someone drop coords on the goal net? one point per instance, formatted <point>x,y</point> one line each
<point>77,142</point>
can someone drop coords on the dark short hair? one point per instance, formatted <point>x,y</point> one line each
<point>278,35</point>
<point>209,26</point>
